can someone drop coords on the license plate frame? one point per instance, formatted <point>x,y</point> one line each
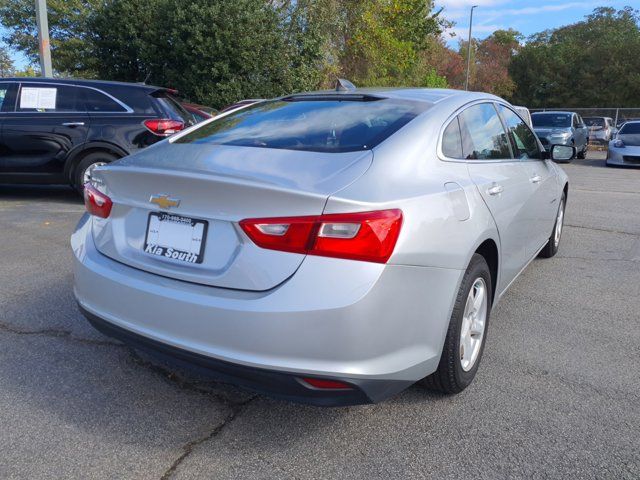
<point>164,249</point>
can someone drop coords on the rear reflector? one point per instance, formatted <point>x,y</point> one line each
<point>96,202</point>
<point>365,236</point>
<point>163,127</point>
<point>326,384</point>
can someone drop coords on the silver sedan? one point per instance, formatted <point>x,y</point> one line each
<point>624,149</point>
<point>330,247</point>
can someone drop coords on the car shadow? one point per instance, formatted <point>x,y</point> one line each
<point>58,193</point>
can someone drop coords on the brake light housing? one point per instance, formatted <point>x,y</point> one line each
<point>163,127</point>
<point>363,236</point>
<point>97,203</point>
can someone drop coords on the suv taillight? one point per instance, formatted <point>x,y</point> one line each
<point>96,202</point>
<point>365,236</point>
<point>163,127</point>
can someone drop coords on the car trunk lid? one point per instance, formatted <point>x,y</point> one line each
<point>218,185</point>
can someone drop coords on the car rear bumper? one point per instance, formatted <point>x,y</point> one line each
<point>377,327</point>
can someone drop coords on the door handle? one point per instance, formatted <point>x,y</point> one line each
<point>535,179</point>
<point>73,124</point>
<point>495,190</point>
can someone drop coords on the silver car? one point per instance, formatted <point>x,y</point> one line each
<point>561,128</point>
<point>624,149</point>
<point>331,247</point>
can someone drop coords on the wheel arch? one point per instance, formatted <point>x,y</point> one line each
<point>489,251</point>
<point>78,154</point>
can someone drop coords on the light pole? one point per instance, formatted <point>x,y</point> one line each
<point>466,82</point>
<point>43,38</point>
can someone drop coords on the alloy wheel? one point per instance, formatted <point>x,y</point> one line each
<point>474,321</point>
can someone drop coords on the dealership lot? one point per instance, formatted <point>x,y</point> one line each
<point>556,395</point>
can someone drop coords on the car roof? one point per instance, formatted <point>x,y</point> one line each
<point>557,111</point>
<point>83,82</point>
<point>427,95</point>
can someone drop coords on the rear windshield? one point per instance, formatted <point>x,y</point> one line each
<point>174,108</point>
<point>558,120</point>
<point>322,125</point>
<point>630,129</point>
<point>594,122</point>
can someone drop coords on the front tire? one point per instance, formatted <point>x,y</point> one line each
<point>465,340</point>
<point>551,248</point>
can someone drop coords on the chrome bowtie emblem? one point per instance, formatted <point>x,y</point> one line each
<point>164,201</point>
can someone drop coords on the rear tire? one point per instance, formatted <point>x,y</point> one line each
<point>463,348</point>
<point>551,248</point>
<point>82,171</point>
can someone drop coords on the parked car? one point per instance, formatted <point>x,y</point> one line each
<point>600,129</point>
<point>241,103</point>
<point>561,128</point>
<point>525,114</point>
<point>624,150</point>
<point>56,131</point>
<point>322,247</point>
<point>622,121</point>
<point>199,112</point>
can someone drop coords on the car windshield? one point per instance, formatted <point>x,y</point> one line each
<point>557,120</point>
<point>322,124</point>
<point>630,129</point>
<point>630,134</point>
<point>594,121</point>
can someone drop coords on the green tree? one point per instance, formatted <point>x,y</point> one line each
<point>213,52</point>
<point>590,63</point>
<point>71,52</point>
<point>6,64</point>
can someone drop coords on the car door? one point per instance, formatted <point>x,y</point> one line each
<point>49,121</point>
<point>541,173</point>
<point>502,181</point>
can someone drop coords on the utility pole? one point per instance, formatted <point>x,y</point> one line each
<point>43,38</point>
<point>466,82</point>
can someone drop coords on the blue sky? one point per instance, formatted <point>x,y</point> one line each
<point>526,16</point>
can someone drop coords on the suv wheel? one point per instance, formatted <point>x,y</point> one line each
<point>467,332</point>
<point>82,173</point>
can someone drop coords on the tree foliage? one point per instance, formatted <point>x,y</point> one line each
<point>68,31</point>
<point>590,63</point>
<point>6,64</point>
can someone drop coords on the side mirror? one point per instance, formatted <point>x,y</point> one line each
<point>563,153</point>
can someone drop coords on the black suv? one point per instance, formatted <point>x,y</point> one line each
<point>55,131</point>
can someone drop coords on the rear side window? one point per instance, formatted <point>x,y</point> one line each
<point>483,136</point>
<point>451,140</point>
<point>49,98</point>
<point>4,89</point>
<point>326,124</point>
<point>522,137</point>
<point>96,101</point>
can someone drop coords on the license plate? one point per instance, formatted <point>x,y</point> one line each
<point>175,237</point>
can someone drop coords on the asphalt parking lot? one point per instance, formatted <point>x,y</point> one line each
<point>557,394</point>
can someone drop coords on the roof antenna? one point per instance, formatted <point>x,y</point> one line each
<point>343,85</point>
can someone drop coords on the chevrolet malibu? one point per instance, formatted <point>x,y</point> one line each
<point>331,247</point>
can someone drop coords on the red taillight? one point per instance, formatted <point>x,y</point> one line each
<point>163,126</point>
<point>366,236</point>
<point>324,384</point>
<point>96,203</point>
